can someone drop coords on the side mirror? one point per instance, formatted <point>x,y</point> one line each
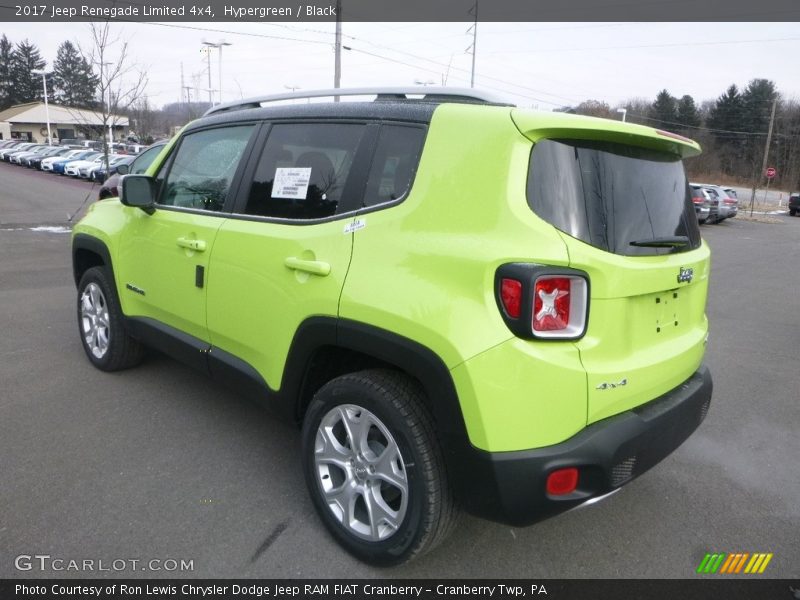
<point>123,169</point>
<point>138,191</point>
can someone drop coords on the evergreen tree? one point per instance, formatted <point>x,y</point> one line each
<point>726,118</point>
<point>6,79</point>
<point>74,82</point>
<point>727,112</point>
<point>688,115</point>
<point>665,109</point>
<point>757,101</point>
<point>27,87</point>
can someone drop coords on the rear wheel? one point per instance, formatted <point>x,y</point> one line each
<point>792,212</point>
<point>374,469</point>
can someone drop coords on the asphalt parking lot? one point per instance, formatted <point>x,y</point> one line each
<point>160,463</point>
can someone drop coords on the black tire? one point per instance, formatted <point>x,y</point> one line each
<point>792,212</point>
<point>397,402</point>
<point>121,351</point>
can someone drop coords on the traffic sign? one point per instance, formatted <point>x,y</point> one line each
<point>771,172</point>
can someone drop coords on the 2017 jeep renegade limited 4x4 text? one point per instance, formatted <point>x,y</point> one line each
<point>466,305</point>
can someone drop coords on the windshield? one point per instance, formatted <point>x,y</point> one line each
<point>621,199</point>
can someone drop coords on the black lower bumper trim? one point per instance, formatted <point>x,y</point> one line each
<point>509,487</point>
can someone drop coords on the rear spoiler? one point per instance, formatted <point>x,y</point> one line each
<point>542,125</point>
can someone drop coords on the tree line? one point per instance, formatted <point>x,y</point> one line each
<point>72,81</point>
<point>732,129</point>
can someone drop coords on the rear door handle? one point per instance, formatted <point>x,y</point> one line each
<point>197,245</point>
<point>315,267</point>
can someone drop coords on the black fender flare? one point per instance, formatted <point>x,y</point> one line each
<point>82,241</point>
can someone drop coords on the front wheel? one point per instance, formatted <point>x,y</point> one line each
<point>105,341</point>
<point>374,469</point>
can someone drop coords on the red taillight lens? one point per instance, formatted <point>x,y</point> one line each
<point>562,481</point>
<point>697,199</point>
<point>560,306</point>
<point>511,295</point>
<point>551,303</point>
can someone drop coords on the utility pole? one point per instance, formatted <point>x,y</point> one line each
<point>766,157</point>
<point>474,44</point>
<point>207,50</point>
<point>337,65</point>
<point>183,86</point>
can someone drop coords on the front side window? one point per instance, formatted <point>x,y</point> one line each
<point>622,199</point>
<point>303,170</point>
<point>203,168</point>
<point>142,162</point>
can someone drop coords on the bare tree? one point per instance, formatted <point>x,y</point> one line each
<point>121,84</point>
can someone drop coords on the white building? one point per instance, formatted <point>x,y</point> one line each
<point>29,122</point>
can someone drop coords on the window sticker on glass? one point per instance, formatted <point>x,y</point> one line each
<point>291,182</point>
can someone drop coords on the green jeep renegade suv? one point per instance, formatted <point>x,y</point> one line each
<point>464,304</point>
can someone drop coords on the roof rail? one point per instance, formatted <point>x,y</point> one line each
<point>428,93</point>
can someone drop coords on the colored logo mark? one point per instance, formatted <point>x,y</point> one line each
<point>740,562</point>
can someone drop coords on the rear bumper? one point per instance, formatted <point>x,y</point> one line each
<point>509,487</point>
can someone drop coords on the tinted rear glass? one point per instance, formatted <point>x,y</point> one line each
<point>609,195</point>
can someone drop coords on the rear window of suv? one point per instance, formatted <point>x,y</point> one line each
<point>609,195</point>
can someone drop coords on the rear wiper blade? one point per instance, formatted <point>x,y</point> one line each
<point>676,241</point>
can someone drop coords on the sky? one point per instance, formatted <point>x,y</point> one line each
<point>541,65</point>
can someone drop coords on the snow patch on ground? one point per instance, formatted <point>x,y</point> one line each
<point>52,229</point>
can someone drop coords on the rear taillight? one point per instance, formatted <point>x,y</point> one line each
<point>697,199</point>
<point>511,296</point>
<point>551,299</point>
<point>729,201</point>
<point>559,306</point>
<point>543,302</point>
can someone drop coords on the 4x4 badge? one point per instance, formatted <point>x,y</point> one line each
<point>685,275</point>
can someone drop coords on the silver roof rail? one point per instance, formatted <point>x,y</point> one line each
<point>429,93</point>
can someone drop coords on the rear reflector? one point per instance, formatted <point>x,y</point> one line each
<point>562,481</point>
<point>511,295</point>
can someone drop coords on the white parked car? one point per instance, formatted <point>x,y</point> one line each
<point>71,168</point>
<point>47,163</point>
<point>87,171</point>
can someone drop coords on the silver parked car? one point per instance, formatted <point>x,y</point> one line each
<point>728,205</point>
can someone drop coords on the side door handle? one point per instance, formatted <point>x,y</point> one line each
<point>196,245</point>
<point>315,267</point>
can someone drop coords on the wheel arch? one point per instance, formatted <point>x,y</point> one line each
<point>88,252</point>
<point>325,347</point>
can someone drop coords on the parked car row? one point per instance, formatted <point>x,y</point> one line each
<point>713,203</point>
<point>74,160</point>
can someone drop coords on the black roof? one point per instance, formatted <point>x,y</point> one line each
<point>420,112</point>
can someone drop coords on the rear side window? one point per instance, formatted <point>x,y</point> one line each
<point>394,164</point>
<point>303,170</point>
<point>611,195</point>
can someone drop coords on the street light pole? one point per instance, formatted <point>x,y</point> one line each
<point>218,46</point>
<point>43,73</point>
<point>624,112</point>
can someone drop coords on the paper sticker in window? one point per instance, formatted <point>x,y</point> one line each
<point>291,182</point>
